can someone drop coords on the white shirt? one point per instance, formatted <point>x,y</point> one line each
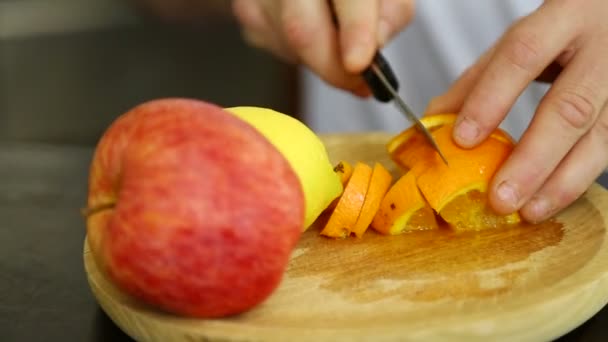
<point>444,38</point>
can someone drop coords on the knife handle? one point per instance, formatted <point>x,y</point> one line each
<point>373,82</point>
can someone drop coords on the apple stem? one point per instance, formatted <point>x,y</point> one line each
<point>86,212</point>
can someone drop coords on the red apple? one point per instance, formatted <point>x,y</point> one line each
<point>191,209</point>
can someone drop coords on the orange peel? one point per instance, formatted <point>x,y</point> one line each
<point>379,184</point>
<point>404,209</point>
<point>350,203</point>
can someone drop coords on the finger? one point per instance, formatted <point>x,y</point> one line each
<point>564,115</point>
<point>574,176</point>
<point>452,100</point>
<point>310,32</point>
<point>394,17</point>
<point>358,22</point>
<point>249,14</point>
<point>520,57</point>
<point>256,29</point>
<point>264,40</point>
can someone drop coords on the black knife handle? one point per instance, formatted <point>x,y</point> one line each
<point>373,82</point>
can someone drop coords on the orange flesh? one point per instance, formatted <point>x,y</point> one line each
<point>403,209</point>
<point>422,219</point>
<point>470,211</point>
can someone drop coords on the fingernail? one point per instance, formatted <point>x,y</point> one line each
<point>539,208</point>
<point>467,130</point>
<point>507,194</point>
<point>384,32</point>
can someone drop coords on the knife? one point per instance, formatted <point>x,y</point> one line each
<point>383,83</point>
<point>380,78</point>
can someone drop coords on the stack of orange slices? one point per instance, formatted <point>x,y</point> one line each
<point>427,191</point>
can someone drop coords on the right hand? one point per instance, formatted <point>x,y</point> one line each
<point>301,31</point>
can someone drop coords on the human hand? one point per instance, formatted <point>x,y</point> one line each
<point>301,31</point>
<point>565,148</point>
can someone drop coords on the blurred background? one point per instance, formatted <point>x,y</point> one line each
<point>70,67</point>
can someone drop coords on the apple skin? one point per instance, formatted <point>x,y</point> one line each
<point>191,209</point>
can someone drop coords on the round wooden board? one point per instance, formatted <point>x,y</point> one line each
<point>532,283</point>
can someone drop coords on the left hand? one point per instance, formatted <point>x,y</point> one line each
<point>565,148</point>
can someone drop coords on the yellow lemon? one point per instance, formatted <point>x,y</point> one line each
<point>303,150</point>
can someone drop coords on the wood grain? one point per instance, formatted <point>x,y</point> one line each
<point>530,283</point>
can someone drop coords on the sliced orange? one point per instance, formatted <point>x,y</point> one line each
<point>415,150</point>
<point>441,183</point>
<point>430,122</point>
<point>403,209</point>
<point>344,169</point>
<point>470,211</point>
<point>350,203</point>
<point>378,186</point>
<point>410,146</point>
<point>457,191</point>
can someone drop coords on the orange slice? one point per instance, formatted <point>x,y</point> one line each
<point>350,203</point>
<point>441,183</point>
<point>457,191</point>
<point>430,122</point>
<point>344,170</point>
<point>403,209</point>
<point>410,146</point>
<point>470,211</point>
<point>378,186</point>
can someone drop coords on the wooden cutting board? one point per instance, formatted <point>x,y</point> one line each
<point>531,283</point>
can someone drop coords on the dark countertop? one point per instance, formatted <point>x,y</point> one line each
<point>44,294</point>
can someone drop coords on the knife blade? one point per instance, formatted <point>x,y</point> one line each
<point>377,70</point>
